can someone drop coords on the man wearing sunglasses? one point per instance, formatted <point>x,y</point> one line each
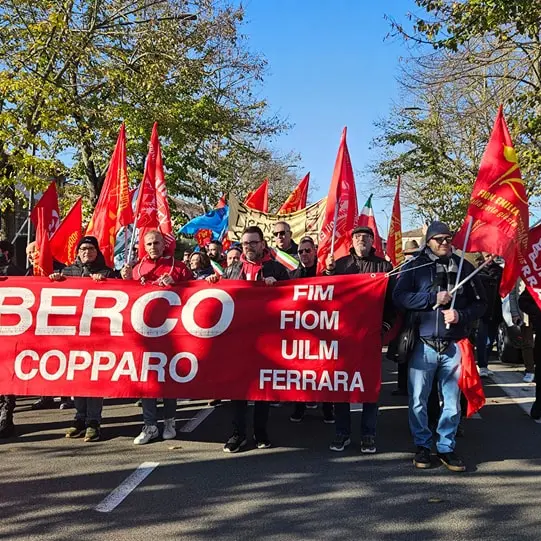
<point>423,284</point>
<point>283,240</point>
<point>361,260</point>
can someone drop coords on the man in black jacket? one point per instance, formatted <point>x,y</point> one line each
<point>307,269</point>
<point>361,260</point>
<point>423,285</point>
<point>7,402</point>
<point>89,263</point>
<point>256,264</point>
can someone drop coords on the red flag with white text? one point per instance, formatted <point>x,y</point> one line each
<point>342,201</point>
<point>298,197</point>
<point>67,236</point>
<point>51,213</point>
<point>498,206</point>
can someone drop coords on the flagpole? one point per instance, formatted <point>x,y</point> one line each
<point>334,224</point>
<point>132,241</point>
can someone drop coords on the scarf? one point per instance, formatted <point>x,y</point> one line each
<point>446,271</point>
<point>252,269</point>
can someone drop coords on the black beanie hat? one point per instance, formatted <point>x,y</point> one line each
<point>437,228</point>
<point>363,229</point>
<point>89,240</point>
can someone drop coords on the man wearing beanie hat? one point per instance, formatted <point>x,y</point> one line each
<point>424,283</point>
<point>361,260</point>
<point>89,263</point>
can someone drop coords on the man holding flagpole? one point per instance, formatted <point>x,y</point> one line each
<point>442,340</point>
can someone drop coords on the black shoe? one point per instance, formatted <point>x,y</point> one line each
<point>339,443</point>
<point>535,412</point>
<point>368,445</point>
<point>7,430</point>
<point>262,443</point>
<point>328,417</point>
<point>297,416</point>
<point>452,461</point>
<point>235,443</point>
<point>421,459</point>
<point>77,430</point>
<point>43,403</point>
<point>66,404</point>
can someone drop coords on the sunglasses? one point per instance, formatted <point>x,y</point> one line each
<point>251,244</point>
<point>304,251</point>
<point>280,233</point>
<point>442,240</point>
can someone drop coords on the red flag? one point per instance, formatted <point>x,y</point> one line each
<point>51,212</point>
<point>221,203</point>
<point>469,380</point>
<point>298,197</point>
<point>342,198</point>
<point>152,207</point>
<point>259,198</point>
<point>499,207</point>
<point>67,236</point>
<point>43,259</point>
<point>367,219</point>
<point>113,209</point>
<point>394,239</point>
<point>203,237</point>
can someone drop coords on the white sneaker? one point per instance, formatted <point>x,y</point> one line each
<point>169,429</point>
<point>528,377</point>
<point>149,432</point>
<point>485,372</point>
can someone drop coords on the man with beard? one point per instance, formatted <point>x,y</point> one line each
<point>163,270</point>
<point>214,251</point>
<point>90,263</point>
<point>361,260</point>
<point>256,265</point>
<point>424,284</point>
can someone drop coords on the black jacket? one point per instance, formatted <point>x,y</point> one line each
<point>293,249</point>
<point>10,269</point>
<point>270,269</point>
<point>98,266</point>
<point>528,305</point>
<point>303,272</point>
<point>353,264</point>
<point>416,291</point>
<point>490,277</point>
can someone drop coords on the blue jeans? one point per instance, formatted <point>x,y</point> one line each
<point>425,365</point>
<point>150,410</point>
<point>88,410</point>
<point>486,334</point>
<point>342,419</point>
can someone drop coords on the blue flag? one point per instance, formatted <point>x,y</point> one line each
<point>216,220</point>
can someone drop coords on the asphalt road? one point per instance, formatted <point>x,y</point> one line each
<point>298,490</point>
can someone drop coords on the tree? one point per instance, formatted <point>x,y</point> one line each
<point>72,70</point>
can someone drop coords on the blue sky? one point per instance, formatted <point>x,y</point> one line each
<point>330,66</point>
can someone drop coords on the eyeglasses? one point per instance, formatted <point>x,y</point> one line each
<point>251,244</point>
<point>280,233</point>
<point>442,240</point>
<point>87,249</point>
<point>363,236</point>
<point>304,251</point>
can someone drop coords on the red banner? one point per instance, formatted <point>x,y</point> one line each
<point>310,340</point>
<point>530,272</point>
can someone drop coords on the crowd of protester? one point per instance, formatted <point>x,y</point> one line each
<point>429,377</point>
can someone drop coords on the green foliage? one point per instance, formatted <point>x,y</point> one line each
<point>73,70</point>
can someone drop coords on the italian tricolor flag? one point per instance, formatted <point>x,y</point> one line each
<point>288,261</point>
<point>367,219</point>
<point>218,269</point>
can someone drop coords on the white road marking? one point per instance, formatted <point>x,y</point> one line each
<point>523,395</point>
<point>121,492</point>
<point>192,424</point>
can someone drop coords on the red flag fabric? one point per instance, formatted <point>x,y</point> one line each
<point>137,342</point>
<point>51,212</point>
<point>152,207</point>
<point>203,237</point>
<point>259,198</point>
<point>499,207</point>
<point>367,219</point>
<point>298,197</point>
<point>113,209</point>
<point>67,236</point>
<point>531,270</point>
<point>469,380</point>
<point>342,198</point>
<point>221,203</point>
<point>43,259</point>
<point>394,238</point>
